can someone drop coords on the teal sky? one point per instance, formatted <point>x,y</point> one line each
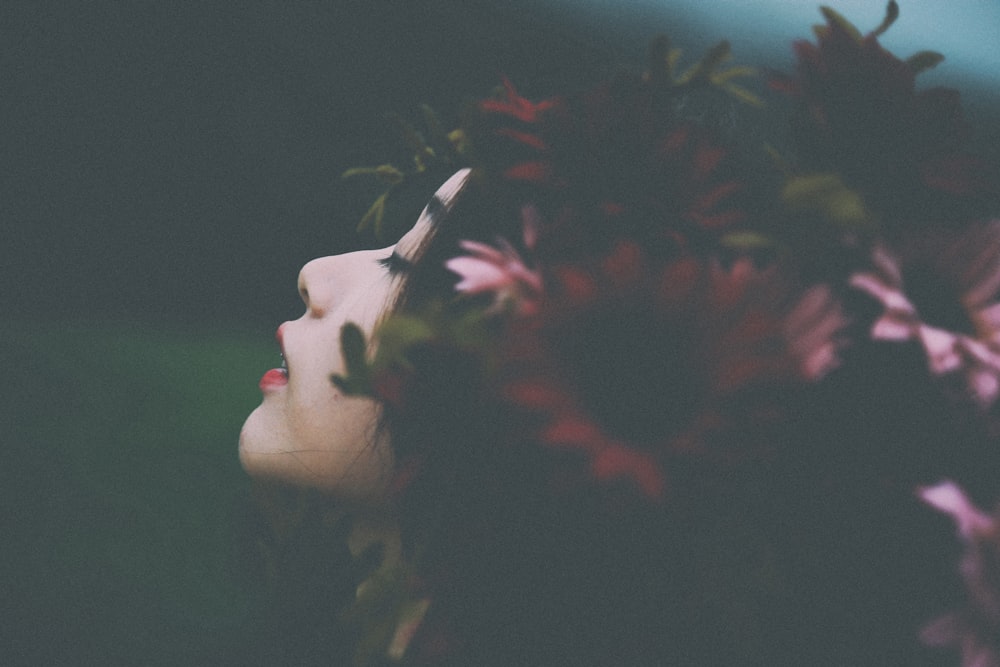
<point>965,31</point>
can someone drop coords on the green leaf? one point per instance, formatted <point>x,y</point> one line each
<point>389,174</point>
<point>357,381</point>
<point>747,241</point>
<point>384,172</point>
<point>459,141</point>
<point>396,336</point>
<point>924,60</point>
<point>435,129</point>
<point>471,330</point>
<point>341,383</point>
<point>701,71</point>
<point>718,54</point>
<point>826,195</point>
<point>891,14</point>
<point>375,214</point>
<point>833,17</point>
<point>414,140</point>
<point>359,171</point>
<point>742,94</point>
<point>381,602</point>
<point>353,347</point>
<point>707,70</point>
<point>723,76</point>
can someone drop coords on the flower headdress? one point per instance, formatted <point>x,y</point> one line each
<point>681,336</point>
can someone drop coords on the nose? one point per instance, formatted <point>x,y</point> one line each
<point>323,282</point>
<point>316,284</point>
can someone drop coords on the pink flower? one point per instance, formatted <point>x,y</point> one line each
<point>501,271</point>
<point>974,629</point>
<point>949,498</point>
<point>943,294</point>
<point>770,335</point>
<point>812,331</point>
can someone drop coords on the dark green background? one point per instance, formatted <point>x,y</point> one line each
<point>165,169</point>
<point>180,161</point>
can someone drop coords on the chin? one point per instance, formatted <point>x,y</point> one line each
<point>264,455</point>
<point>267,454</point>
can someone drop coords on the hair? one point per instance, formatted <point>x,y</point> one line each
<point>726,574</point>
<point>518,575</point>
<point>473,214</point>
<point>784,562</point>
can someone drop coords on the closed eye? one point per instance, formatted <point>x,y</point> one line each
<point>395,264</point>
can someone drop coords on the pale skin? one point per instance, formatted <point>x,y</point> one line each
<point>305,431</point>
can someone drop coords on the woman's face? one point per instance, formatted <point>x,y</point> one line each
<point>305,431</point>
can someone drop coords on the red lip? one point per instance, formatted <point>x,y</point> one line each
<point>276,378</point>
<point>273,379</point>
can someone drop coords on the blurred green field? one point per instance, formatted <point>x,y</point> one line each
<point>121,489</point>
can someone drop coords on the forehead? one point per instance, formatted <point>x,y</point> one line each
<point>439,204</point>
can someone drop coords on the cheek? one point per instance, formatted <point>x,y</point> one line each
<point>345,452</point>
<point>326,419</point>
<point>327,428</point>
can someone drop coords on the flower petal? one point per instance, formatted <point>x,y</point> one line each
<point>616,461</point>
<point>477,275</point>
<point>940,345</point>
<point>892,328</point>
<point>949,498</point>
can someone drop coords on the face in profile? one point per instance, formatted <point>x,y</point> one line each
<point>306,431</point>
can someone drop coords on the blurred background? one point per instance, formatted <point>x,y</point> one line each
<point>165,169</point>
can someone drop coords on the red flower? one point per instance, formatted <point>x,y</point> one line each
<point>632,363</point>
<point>861,115</point>
<point>507,134</point>
<point>609,164</point>
<point>516,106</point>
<point>626,167</point>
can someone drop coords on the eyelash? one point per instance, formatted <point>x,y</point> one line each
<point>435,207</point>
<point>395,264</point>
